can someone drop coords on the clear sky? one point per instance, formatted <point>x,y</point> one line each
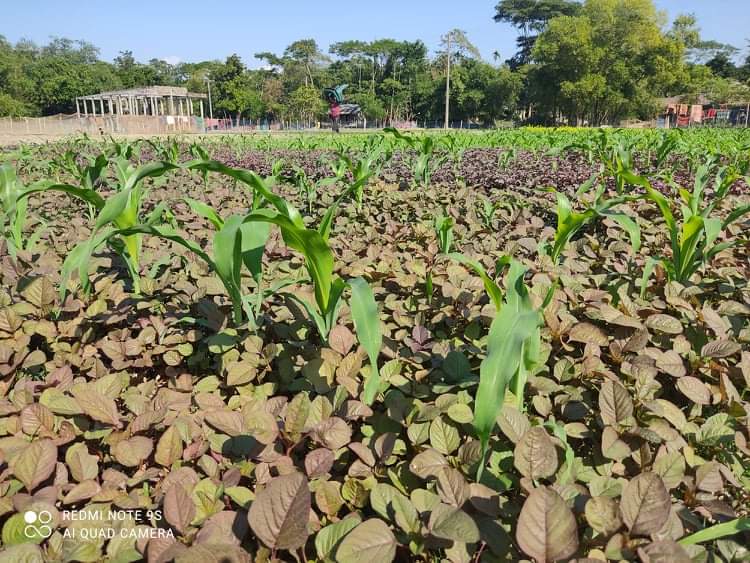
<point>192,30</point>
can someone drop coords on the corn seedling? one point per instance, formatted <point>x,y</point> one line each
<point>14,212</point>
<point>426,160</point>
<point>443,225</point>
<point>569,222</point>
<point>717,531</point>
<point>362,170</point>
<point>693,239</point>
<point>312,244</point>
<point>513,349</point>
<point>119,211</point>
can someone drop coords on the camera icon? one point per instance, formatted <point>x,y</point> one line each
<point>37,524</point>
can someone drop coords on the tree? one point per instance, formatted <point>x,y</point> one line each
<point>131,73</point>
<point>456,43</point>
<point>721,65</point>
<point>685,29</point>
<point>226,82</point>
<point>531,17</point>
<point>305,104</point>
<point>241,97</point>
<point>605,64</point>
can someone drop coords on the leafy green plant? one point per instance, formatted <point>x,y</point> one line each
<point>362,170</point>
<point>512,351</point>
<point>612,150</point>
<point>487,210</point>
<point>309,187</point>
<point>119,211</point>
<point>444,231</point>
<point>313,244</point>
<point>426,160</point>
<point>197,151</point>
<point>693,239</point>
<point>717,531</point>
<point>569,222</point>
<point>506,157</point>
<point>167,150</point>
<point>89,174</point>
<point>306,186</point>
<point>14,212</point>
<point>230,252</point>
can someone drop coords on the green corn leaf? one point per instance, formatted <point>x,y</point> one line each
<point>255,182</point>
<point>317,253</point>
<point>327,222</point>
<point>168,233</point>
<point>205,211</point>
<point>568,224</point>
<point>227,250</point>
<point>78,260</point>
<point>150,170</point>
<point>629,226</point>
<point>505,354</point>
<point>367,325</point>
<point>717,531</point>
<point>661,202</point>
<point>228,240</point>
<point>736,214</point>
<point>113,208</point>
<point>334,305</point>
<point>492,289</point>
<point>712,227</point>
<point>312,311</point>
<point>714,250</point>
<point>685,260</point>
<point>89,196</point>
<point>254,238</point>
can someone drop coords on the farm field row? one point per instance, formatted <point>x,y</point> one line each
<point>481,346</point>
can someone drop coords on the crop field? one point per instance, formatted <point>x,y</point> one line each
<point>527,344</point>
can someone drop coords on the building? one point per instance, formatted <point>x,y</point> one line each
<point>171,101</point>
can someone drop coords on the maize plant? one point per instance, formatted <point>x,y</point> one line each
<point>513,351</point>
<point>119,211</point>
<point>693,238</point>
<point>426,160</point>
<point>14,212</point>
<point>443,225</point>
<point>569,222</point>
<point>362,170</point>
<point>313,244</point>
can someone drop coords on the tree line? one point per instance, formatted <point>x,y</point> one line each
<point>590,62</point>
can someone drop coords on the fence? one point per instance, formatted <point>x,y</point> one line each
<point>107,124</point>
<point>61,125</point>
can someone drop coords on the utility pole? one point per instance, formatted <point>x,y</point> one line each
<point>448,83</point>
<point>210,106</point>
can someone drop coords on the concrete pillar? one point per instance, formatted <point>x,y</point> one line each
<point>93,107</point>
<point>101,105</point>
<point>78,111</point>
<point>201,104</point>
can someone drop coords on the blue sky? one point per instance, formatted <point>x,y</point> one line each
<point>191,30</point>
